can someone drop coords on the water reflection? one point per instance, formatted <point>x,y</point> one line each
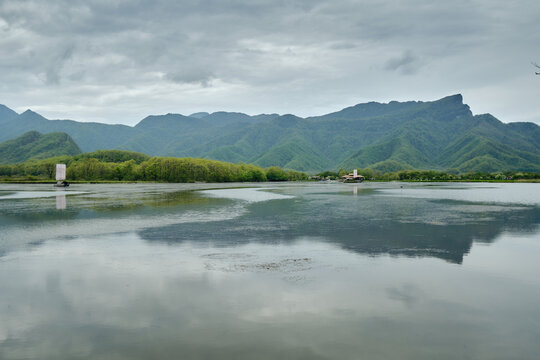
<point>61,202</point>
<point>296,272</point>
<point>415,228</point>
<point>122,297</point>
<point>365,222</point>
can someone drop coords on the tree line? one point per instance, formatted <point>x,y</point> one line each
<point>156,169</point>
<point>433,175</point>
<point>118,165</point>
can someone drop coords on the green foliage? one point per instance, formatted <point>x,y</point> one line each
<point>275,173</point>
<point>434,176</point>
<point>87,167</point>
<point>389,166</point>
<point>293,175</point>
<point>430,175</point>
<point>115,156</point>
<point>332,175</point>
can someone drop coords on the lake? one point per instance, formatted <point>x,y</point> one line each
<point>270,271</point>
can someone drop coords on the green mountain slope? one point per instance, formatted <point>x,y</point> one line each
<point>397,149</point>
<point>473,152</point>
<point>441,134</point>
<point>33,145</point>
<point>296,153</point>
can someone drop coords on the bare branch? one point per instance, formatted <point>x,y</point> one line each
<point>538,66</point>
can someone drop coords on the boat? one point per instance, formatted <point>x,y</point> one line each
<point>61,176</point>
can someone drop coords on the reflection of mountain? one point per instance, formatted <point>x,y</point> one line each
<point>42,210</point>
<point>31,221</point>
<point>370,225</point>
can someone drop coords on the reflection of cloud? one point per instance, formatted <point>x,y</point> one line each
<point>88,227</point>
<point>247,194</point>
<point>140,301</point>
<point>408,294</point>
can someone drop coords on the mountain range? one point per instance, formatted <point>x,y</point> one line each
<point>438,135</point>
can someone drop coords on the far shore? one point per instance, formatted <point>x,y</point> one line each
<point>51,182</point>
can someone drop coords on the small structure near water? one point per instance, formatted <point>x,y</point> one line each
<point>61,176</point>
<point>353,177</point>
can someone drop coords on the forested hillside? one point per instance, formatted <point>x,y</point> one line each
<point>438,135</point>
<point>33,145</point>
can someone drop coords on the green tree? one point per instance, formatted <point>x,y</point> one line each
<point>275,173</point>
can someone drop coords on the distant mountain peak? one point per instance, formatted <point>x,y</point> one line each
<point>164,120</point>
<point>6,114</point>
<point>31,114</point>
<point>453,105</point>
<point>4,108</point>
<point>290,117</point>
<point>456,98</point>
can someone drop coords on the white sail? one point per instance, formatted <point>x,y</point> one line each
<point>60,172</point>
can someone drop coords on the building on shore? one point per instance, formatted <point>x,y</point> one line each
<point>353,177</point>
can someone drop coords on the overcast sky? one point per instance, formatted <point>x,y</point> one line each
<point>117,61</point>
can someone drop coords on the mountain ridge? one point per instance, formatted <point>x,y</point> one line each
<point>34,145</point>
<point>389,136</point>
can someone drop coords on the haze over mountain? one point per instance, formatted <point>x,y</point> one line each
<point>441,134</point>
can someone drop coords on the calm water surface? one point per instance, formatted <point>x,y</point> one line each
<point>270,271</point>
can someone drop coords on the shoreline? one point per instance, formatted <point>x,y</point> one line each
<point>5,181</point>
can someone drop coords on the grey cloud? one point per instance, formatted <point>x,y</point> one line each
<point>342,45</point>
<point>407,63</point>
<point>192,76</point>
<point>52,74</point>
<point>270,51</point>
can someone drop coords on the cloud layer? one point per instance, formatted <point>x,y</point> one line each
<point>118,61</point>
